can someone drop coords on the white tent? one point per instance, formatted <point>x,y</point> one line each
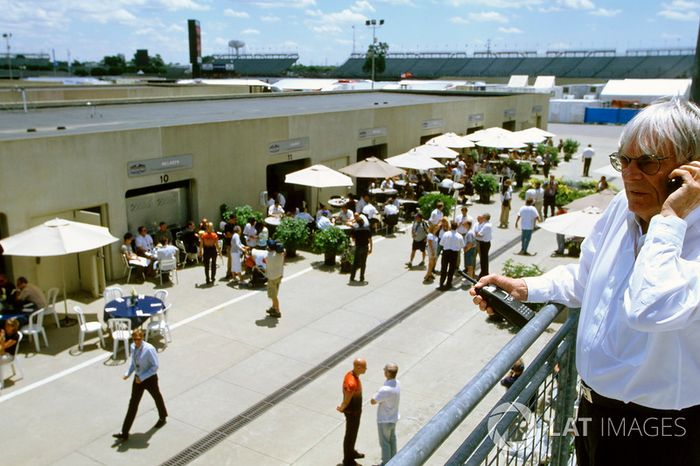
<point>644,90</point>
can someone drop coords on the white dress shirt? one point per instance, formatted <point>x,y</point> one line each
<point>462,223</point>
<point>435,216</point>
<point>639,329</point>
<point>390,209</point>
<point>369,210</point>
<point>144,242</point>
<point>482,231</point>
<point>452,241</point>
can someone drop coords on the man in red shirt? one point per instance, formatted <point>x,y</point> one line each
<point>352,408</point>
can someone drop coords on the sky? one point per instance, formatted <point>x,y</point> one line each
<point>325,32</point>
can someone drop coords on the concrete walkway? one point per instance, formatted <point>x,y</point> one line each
<point>227,356</point>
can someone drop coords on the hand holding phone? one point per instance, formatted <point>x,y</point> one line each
<point>674,183</point>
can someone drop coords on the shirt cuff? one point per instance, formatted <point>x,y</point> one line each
<point>538,289</point>
<point>669,229</point>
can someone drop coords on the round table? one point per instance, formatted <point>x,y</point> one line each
<point>273,221</point>
<point>338,202</point>
<point>387,192</point>
<point>145,307</point>
<point>22,317</point>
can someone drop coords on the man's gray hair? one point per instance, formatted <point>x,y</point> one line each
<point>391,370</point>
<point>669,127</point>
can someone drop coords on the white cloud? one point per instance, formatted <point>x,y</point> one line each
<point>459,20</point>
<point>488,16</point>
<point>269,19</point>
<point>605,12</point>
<point>175,5</point>
<point>334,22</point>
<point>675,15</point>
<point>250,32</point>
<point>362,5</point>
<point>510,4</point>
<point>577,4</point>
<point>682,5</point>
<point>326,29</point>
<point>511,30</point>
<point>235,14</point>
<point>343,41</point>
<point>549,9</point>
<point>398,2</point>
<point>176,28</point>
<point>299,4</point>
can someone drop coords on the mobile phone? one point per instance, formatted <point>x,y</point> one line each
<point>674,183</point>
<point>503,303</point>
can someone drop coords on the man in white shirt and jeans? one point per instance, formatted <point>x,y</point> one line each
<point>637,347</point>
<point>388,398</point>
<point>529,216</point>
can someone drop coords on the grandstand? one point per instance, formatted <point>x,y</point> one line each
<point>667,63</point>
<point>267,64</point>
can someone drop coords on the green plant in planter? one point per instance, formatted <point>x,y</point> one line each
<point>570,147</point>
<point>243,213</point>
<point>225,212</point>
<point>427,203</point>
<point>330,241</point>
<point>544,149</point>
<point>474,155</point>
<point>346,259</point>
<point>522,172</point>
<point>292,233</point>
<point>485,185</point>
<point>518,270</point>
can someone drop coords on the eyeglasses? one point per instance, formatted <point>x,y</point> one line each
<point>649,164</point>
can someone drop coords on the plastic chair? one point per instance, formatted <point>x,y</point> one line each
<point>189,256</point>
<point>162,295</point>
<point>128,268</point>
<point>35,327</point>
<point>8,359</point>
<point>87,327</point>
<point>121,331</point>
<point>51,295</point>
<point>112,292</point>
<point>159,324</point>
<point>167,266</point>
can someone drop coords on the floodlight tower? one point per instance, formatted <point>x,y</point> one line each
<point>7,36</point>
<point>374,24</point>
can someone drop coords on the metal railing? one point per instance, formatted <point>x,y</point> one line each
<point>530,424</point>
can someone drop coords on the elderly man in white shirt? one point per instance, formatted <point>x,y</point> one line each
<point>144,242</point>
<point>452,243</point>
<point>638,286</point>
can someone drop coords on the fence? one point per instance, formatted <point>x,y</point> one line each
<point>530,424</point>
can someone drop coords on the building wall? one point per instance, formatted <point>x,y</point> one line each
<point>42,176</point>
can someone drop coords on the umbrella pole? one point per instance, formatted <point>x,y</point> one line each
<point>66,321</point>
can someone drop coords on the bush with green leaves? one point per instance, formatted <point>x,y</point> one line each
<point>518,270</point>
<point>244,212</point>
<point>292,232</point>
<point>330,239</point>
<point>474,155</point>
<point>225,212</point>
<point>427,203</point>
<point>570,147</point>
<point>543,149</point>
<point>567,190</point>
<point>485,184</point>
<point>522,171</point>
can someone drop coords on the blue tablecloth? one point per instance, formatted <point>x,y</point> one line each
<point>145,307</point>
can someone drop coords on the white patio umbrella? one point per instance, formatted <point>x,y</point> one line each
<point>433,151</point>
<point>488,132</point>
<point>57,237</point>
<point>501,141</point>
<point>414,162</point>
<point>451,140</point>
<point>607,171</point>
<point>578,223</point>
<point>318,176</point>
<point>529,137</point>
<point>598,200</point>
<point>372,167</point>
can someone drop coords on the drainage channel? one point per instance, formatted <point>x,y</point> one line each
<point>219,434</point>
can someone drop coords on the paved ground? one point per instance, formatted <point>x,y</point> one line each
<point>227,356</point>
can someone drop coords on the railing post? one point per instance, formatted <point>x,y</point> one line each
<point>566,397</point>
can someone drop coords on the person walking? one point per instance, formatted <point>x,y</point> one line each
<point>550,196</point>
<point>351,407</point>
<point>452,244</point>
<point>144,366</point>
<point>528,214</point>
<point>274,271</point>
<point>482,231</point>
<point>387,401</point>
<point>419,234</point>
<point>209,249</point>
<point>587,156</point>
<point>362,236</point>
<point>506,198</point>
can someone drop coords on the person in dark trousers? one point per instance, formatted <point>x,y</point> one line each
<point>144,366</point>
<point>452,243</point>
<point>351,407</point>
<point>209,249</point>
<point>362,236</point>
<point>482,231</point>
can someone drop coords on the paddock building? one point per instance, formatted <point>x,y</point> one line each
<point>130,164</point>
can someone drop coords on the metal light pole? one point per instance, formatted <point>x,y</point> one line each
<point>374,23</point>
<point>7,36</point>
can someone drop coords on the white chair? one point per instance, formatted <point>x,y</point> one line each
<point>189,256</point>
<point>162,295</point>
<point>11,360</point>
<point>167,266</point>
<point>121,331</point>
<point>51,295</point>
<point>128,268</point>
<point>159,324</point>
<point>87,327</point>
<point>35,328</point>
<point>112,292</point>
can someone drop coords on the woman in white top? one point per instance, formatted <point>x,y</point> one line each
<point>506,197</point>
<point>237,250</point>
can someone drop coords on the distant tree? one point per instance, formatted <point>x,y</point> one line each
<point>208,59</point>
<point>378,51</point>
<point>115,64</point>
<point>141,59</point>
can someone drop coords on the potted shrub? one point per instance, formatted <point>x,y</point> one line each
<point>331,241</point>
<point>292,233</point>
<point>485,185</point>
<point>522,171</point>
<point>427,203</point>
<point>346,260</point>
<point>570,147</point>
<point>243,213</point>
<point>553,152</point>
